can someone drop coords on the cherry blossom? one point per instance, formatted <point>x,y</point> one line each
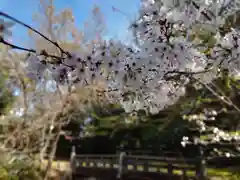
<point>35,68</point>
<point>142,76</point>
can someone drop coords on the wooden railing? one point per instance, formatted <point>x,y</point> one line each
<point>130,163</point>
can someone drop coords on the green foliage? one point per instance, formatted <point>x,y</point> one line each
<point>16,168</point>
<point>6,97</point>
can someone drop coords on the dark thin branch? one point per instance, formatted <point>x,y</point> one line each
<point>203,13</point>
<point>225,100</point>
<point>187,73</point>
<point>26,49</point>
<point>16,47</point>
<point>223,8</point>
<point>34,51</point>
<point>32,29</point>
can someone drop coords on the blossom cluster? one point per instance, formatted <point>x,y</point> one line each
<point>211,135</point>
<point>139,77</point>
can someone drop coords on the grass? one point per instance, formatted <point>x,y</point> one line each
<point>58,165</point>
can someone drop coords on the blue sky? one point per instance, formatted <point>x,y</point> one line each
<point>116,22</point>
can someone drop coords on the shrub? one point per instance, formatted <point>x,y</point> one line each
<point>18,168</point>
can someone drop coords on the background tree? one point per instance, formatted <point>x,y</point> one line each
<point>6,97</point>
<point>95,26</point>
<point>58,26</point>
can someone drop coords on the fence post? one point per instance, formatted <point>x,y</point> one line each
<point>121,165</point>
<point>201,172</point>
<point>170,169</point>
<point>73,162</point>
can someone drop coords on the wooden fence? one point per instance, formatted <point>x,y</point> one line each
<point>129,163</point>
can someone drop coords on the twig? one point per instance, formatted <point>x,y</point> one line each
<point>225,99</point>
<point>27,50</point>
<point>34,30</point>
<point>187,73</point>
<point>203,13</point>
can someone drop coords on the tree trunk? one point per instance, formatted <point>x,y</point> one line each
<point>52,155</point>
